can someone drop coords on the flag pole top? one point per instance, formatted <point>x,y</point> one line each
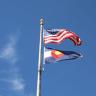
<point>41,21</point>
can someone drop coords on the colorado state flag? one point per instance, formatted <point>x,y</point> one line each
<point>54,55</point>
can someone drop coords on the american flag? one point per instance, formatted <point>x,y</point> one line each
<point>57,36</point>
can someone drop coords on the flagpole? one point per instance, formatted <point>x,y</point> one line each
<point>40,59</point>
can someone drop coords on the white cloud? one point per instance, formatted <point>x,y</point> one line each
<point>8,52</point>
<point>18,84</point>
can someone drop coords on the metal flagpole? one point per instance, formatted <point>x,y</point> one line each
<point>40,59</point>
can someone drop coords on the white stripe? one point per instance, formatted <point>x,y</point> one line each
<point>57,41</point>
<point>63,32</point>
<point>47,54</point>
<point>58,37</point>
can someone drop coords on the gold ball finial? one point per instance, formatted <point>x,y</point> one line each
<point>41,21</point>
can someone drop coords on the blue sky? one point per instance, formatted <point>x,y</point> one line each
<point>19,43</point>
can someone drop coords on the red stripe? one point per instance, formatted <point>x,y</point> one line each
<point>58,41</point>
<point>61,36</point>
<point>56,37</point>
<point>76,42</point>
